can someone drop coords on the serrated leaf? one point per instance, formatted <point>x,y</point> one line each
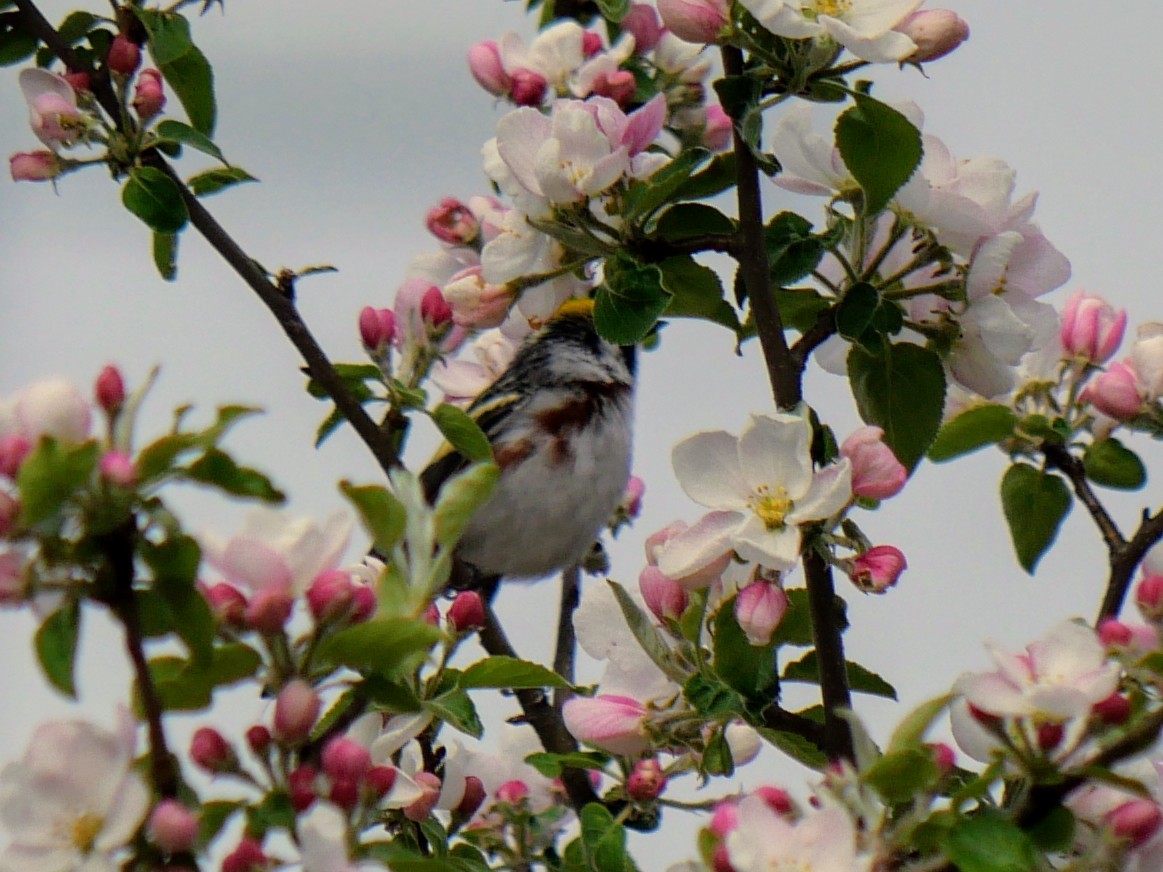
<point>629,300</point>
<point>747,668</point>
<point>792,250</point>
<point>614,10</point>
<point>179,132</point>
<point>509,672</point>
<point>460,497</point>
<point>901,390</point>
<point>860,678</point>
<point>855,312</point>
<point>1111,464</point>
<point>383,516</point>
<point>218,179</point>
<point>972,429</point>
<point>153,197</point>
<point>75,26</point>
<point>604,840</point>
<point>800,308</point>
<point>686,220</point>
<point>217,469</point>
<point>183,65</point>
<point>716,177</point>
<point>988,842</point>
<point>165,255</point>
<point>880,147</point>
<point>646,633</point>
<point>462,432</point>
<point>712,697</point>
<point>56,647</point>
<point>456,709</point>
<point>552,765</point>
<point>50,475</point>
<point>1035,504</point>
<point>175,563</point>
<point>647,195</point>
<point>696,292</point>
<point>389,647</point>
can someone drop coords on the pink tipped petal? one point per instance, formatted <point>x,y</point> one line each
<point>611,723</point>
<point>519,137</point>
<point>644,125</point>
<point>250,563</point>
<point>700,546</point>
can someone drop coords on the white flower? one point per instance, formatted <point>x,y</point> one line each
<point>277,550</point>
<point>821,841</point>
<point>323,841</point>
<point>555,53</point>
<point>864,27</point>
<point>761,486</point>
<point>73,800</point>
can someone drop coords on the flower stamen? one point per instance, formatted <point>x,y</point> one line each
<point>772,508</point>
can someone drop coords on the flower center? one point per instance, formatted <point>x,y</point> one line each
<point>834,8</point>
<point>772,507</point>
<point>84,831</point>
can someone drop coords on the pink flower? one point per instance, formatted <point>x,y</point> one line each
<point>296,710</point>
<point>419,809</point>
<point>467,611</point>
<point>631,503</point>
<point>512,792</point>
<point>876,472</point>
<point>52,107</point>
<point>695,20</point>
<point>618,85</point>
<point>611,723</point>
<point>269,610</point>
<point>646,782</point>
<point>453,222</point>
<point>759,608</point>
<point>717,129</point>
<point>1091,328</point>
<point>34,166</point>
<point>484,62</point>
<point>211,751</point>
<point>664,597</point>
<point>476,304</point>
<point>1135,638</point>
<point>1149,596</point>
<point>149,97</point>
<point>173,827</point>
<point>642,23</point>
<point>1115,392</point>
<point>1136,821</point>
<point>227,604</point>
<point>345,758</point>
<point>528,87</point>
<point>878,568</point>
<point>414,318</point>
<point>936,33</point>
<point>118,468</point>
<point>124,55</point>
<point>377,328</point>
<point>701,576</point>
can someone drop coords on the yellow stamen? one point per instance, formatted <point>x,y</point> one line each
<point>772,508</point>
<point>85,830</point>
<point>834,8</point>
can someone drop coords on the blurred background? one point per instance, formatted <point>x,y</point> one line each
<point>358,116</point>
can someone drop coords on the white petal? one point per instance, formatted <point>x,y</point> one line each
<point>883,47</point>
<point>775,549</point>
<point>830,491</point>
<point>700,545</point>
<point>774,451</point>
<point>707,468</point>
<point>519,137</point>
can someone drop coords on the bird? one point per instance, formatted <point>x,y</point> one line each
<point>559,420</point>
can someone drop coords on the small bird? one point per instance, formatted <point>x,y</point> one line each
<point>559,421</point>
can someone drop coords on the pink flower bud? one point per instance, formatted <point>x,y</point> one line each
<point>434,309</point>
<point>484,62</point>
<point>210,751</point>
<point>432,615</point>
<point>631,502</point>
<point>329,597</point>
<point>247,857</point>
<point>721,859</point>
<point>9,511</point>
<point>363,603</point>
<point>876,473</point>
<point>149,97</point>
<point>12,584</point>
<point>344,792</point>
<point>878,568</point>
<point>1137,638</point>
<point>944,757</point>
<point>616,724</point>
<point>420,808</point>
<point>646,782</point>
<point>258,738</point>
<point>124,55</point>
<point>528,88</point>
<point>227,604</point>
<point>380,780</point>
<point>777,799</point>
<point>79,82</point>
<point>698,21</point>
<point>664,597</point>
<point>1091,328</point>
<point>619,86</point>
<point>173,827</point>
<point>474,303</point>
<point>474,797</point>
<point>1116,392</point>
<point>14,448</point>
<point>724,818</point>
<point>642,23</point>
<point>34,166</point>
<point>269,610</point>
<point>453,222</point>
<point>1114,710</point>
<point>1136,821</point>
<point>591,43</point>
<point>935,31</point>
<point>377,328</point>
<point>759,608</point>
<point>1149,597</point>
<point>301,786</point>
<point>109,389</point>
<point>467,612</point>
<point>118,468</point>
<point>296,709</point>
<point>512,792</point>
<point>717,129</point>
<point>344,758</point>
<point>1050,736</point>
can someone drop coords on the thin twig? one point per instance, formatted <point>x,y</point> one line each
<point>565,651</point>
<point>1059,456</point>
<point>1123,564</point>
<point>829,643</point>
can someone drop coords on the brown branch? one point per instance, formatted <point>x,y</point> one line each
<point>829,643</point>
<point>815,336</point>
<point>565,651</point>
<point>651,250</point>
<point>1059,456</point>
<point>1124,563</point>
<point>776,718</point>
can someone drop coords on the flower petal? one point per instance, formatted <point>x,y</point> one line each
<point>829,492</point>
<point>774,451</point>
<point>699,546</point>
<point>707,467</point>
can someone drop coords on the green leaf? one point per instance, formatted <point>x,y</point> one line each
<point>749,669</point>
<point>614,10</point>
<point>988,842</point>
<point>716,177</point>
<point>456,709</point>
<point>855,311</point>
<point>76,26</point>
<point>390,647</point>
<point>912,728</point>
<point>383,516</point>
<point>16,44</point>
<point>170,130</point>
<point>647,195</point>
<point>165,255</point>
<point>686,220</point>
<point>189,686</point>
<point>182,64</point>
<point>796,747</point>
<point>175,563</point>
<point>153,197</point>
<point>901,775</point>
<point>696,292</point>
<point>880,147</point>
<point>646,633</point>
<point>902,390</point>
<point>552,765</point>
<point>1110,464</point>
<point>717,759</point>
<point>212,817</point>
<point>972,429</point>
<point>50,475</point>
<point>800,308</point>
<point>629,300</point>
<point>1035,503</point>
<point>860,679</point>
<point>460,497</point>
<point>509,672</point>
<point>218,179</point>
<point>795,627</point>
<point>393,696</point>
<point>604,841</point>
<point>711,697</point>
<point>1055,831</point>
<point>218,469</point>
<point>56,647</point>
<point>792,251</point>
<point>160,455</point>
<point>462,432</point>
<point>275,812</point>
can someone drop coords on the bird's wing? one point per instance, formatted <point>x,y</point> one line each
<point>488,410</point>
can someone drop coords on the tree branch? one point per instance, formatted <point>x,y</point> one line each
<point>565,651</point>
<point>1060,457</point>
<point>1124,563</point>
<point>830,654</point>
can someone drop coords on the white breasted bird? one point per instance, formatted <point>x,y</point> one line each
<point>559,421</point>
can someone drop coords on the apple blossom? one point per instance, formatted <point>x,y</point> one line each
<point>453,222</point>
<point>743,741</point>
<point>760,487</point>
<point>484,62</point>
<point>377,328</point>
<point>74,800</point>
<point>1115,392</point>
<point>419,809</point>
<point>109,389</point>
<point>476,304</point>
<point>301,785</point>
<point>258,738</point>
<point>210,750</point>
<point>647,781</point>
<point>467,612</point>
<point>1091,328</point>
<point>878,568</point>
<point>247,856</point>
<point>34,166</point>
<point>699,21</point>
<point>759,607</point>
<point>701,578</point>
<point>876,472</point>
<point>268,610</point>
<point>52,107</point>
<point>1136,821</point>
<point>616,724</point>
<point>149,96</point>
<point>227,604</point>
<point>1149,596</point>
<point>473,798</point>
<point>823,840</point>
<point>665,598</point>
<point>324,842</point>
<point>50,407</point>
<point>717,128</point>
<point>1134,638</point>
<point>864,27</point>
<point>296,710</point>
<point>936,32</point>
<point>641,22</point>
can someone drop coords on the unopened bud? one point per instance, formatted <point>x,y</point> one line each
<point>513,792</point>
<point>759,608</point>
<point>227,604</point>
<point>665,597</point>
<point>78,81</point>
<point>269,610</point>
<point>484,62</point>
<point>258,738</point>
<point>777,799</point>
<point>344,792</point>
<point>118,468</point>
<point>109,389</point>
<point>646,782</point>
<point>878,568</point>
<point>173,827</point>
<point>1114,710</point>
<point>377,328</point>
<point>1137,820</point>
<point>699,21</point>
<point>467,612</point>
<point>936,33</point>
<point>1149,597</point>
<point>329,597</point>
<point>591,43</point>
<point>528,88</point>
<point>149,97</point>
<point>296,709</point>
<point>9,511</point>
<point>453,222</point>
<point>247,857</point>
<point>345,758</point>
<point>434,309</point>
<point>34,166</point>
<point>724,818</point>
<point>124,55</point>
<point>474,797</point>
<point>420,808</point>
<point>642,23</point>
<point>944,757</point>
<point>380,780</point>
<point>14,448</point>
<point>1050,736</point>
<point>301,786</point>
<point>210,751</point>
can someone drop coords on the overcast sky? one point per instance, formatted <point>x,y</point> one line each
<point>358,116</point>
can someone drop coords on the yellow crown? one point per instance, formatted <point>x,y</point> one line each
<point>583,306</point>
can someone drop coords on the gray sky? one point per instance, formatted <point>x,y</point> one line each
<point>358,116</point>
